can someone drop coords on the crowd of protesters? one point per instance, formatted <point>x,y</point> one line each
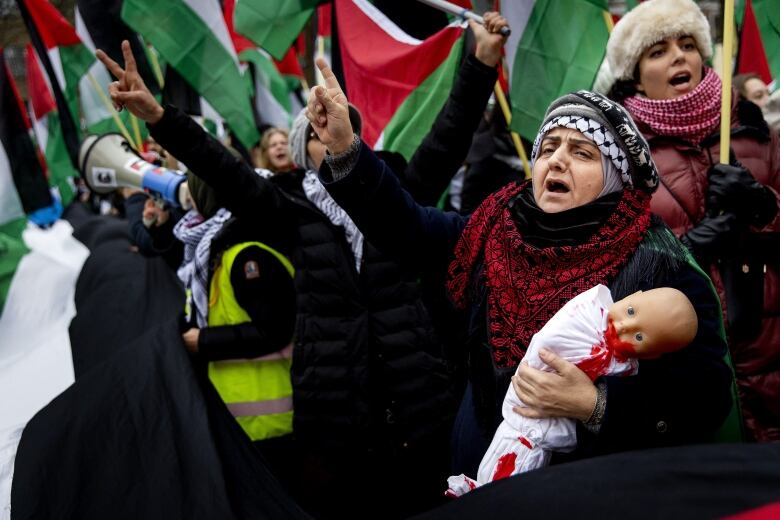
<point>364,339</point>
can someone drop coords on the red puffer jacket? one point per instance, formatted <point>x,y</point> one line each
<point>680,201</point>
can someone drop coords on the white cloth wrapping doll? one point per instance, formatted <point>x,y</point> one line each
<point>577,333</point>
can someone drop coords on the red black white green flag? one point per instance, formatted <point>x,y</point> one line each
<point>398,83</point>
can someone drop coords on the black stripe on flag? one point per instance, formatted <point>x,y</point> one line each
<point>26,169</point>
<point>70,131</point>
<point>107,30</point>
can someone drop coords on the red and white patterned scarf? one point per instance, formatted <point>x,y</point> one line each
<point>692,117</point>
<point>526,286</point>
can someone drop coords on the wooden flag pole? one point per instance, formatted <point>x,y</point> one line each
<point>103,97</point>
<point>136,132</point>
<point>501,98</point>
<point>725,105</point>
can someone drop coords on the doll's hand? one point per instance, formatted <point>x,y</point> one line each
<point>565,392</point>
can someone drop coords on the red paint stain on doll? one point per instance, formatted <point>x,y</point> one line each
<point>525,442</point>
<point>622,349</point>
<point>505,466</point>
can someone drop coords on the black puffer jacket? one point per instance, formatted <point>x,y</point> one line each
<point>367,368</point>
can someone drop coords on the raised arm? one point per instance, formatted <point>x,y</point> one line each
<point>446,145</point>
<point>370,193</point>
<point>240,189</point>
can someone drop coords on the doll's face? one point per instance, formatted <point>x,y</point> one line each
<point>654,322</point>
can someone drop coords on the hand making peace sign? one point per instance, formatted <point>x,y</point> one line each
<point>130,91</point>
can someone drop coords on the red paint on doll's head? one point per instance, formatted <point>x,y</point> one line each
<point>622,349</point>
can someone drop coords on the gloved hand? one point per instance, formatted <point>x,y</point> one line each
<point>712,236</point>
<point>734,189</point>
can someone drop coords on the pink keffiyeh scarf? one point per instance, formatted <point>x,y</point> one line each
<point>692,117</point>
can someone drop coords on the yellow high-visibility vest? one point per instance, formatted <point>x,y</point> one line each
<point>257,391</point>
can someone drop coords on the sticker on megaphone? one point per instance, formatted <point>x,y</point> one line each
<point>109,162</point>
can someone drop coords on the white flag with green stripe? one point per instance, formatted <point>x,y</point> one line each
<point>192,38</point>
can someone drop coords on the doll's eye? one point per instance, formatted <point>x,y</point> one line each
<point>630,311</point>
<point>638,336</point>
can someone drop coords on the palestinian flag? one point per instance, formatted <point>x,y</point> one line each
<point>100,27</point>
<point>752,57</point>
<point>23,186</point>
<point>272,93</point>
<point>192,37</point>
<point>48,131</point>
<point>38,270</point>
<point>290,69</point>
<point>273,25</point>
<point>398,83</point>
<point>64,60</point>
<point>767,16</point>
<point>556,47</point>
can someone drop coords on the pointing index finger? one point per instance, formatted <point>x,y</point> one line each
<point>327,74</point>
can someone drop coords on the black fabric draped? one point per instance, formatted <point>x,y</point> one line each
<point>566,228</point>
<point>140,434</point>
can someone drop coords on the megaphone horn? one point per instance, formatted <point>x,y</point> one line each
<point>108,162</point>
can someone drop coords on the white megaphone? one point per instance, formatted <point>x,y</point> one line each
<point>108,162</point>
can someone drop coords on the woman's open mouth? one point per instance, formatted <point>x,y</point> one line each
<point>680,80</point>
<point>556,186</point>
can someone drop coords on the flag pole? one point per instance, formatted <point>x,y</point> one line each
<point>110,108</point>
<point>152,54</point>
<point>725,105</point>
<point>501,98</point>
<point>461,12</point>
<point>136,132</point>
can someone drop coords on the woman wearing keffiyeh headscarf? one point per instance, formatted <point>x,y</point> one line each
<point>584,219</point>
<point>725,214</point>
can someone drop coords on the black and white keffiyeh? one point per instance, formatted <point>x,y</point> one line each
<point>196,234</point>
<point>319,196</point>
<point>611,128</point>
<point>615,177</point>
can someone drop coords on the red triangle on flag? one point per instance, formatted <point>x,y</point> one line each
<point>382,64</point>
<point>37,88</point>
<point>240,42</point>
<point>54,29</point>
<point>289,65</point>
<point>752,56</point>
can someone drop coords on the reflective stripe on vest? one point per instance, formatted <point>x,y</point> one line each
<point>257,391</point>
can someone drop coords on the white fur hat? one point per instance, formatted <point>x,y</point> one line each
<point>651,22</point>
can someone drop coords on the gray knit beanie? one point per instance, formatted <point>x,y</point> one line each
<point>298,140</point>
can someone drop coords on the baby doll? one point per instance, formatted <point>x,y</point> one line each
<point>601,338</point>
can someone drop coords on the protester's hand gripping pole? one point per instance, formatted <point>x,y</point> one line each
<point>725,105</point>
<point>457,10</point>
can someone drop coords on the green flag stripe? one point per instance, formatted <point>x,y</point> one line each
<point>75,61</point>
<point>273,25</point>
<point>12,249</point>
<point>188,45</point>
<point>277,98</point>
<point>60,168</point>
<point>416,115</point>
<point>546,67</point>
<point>768,17</point>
